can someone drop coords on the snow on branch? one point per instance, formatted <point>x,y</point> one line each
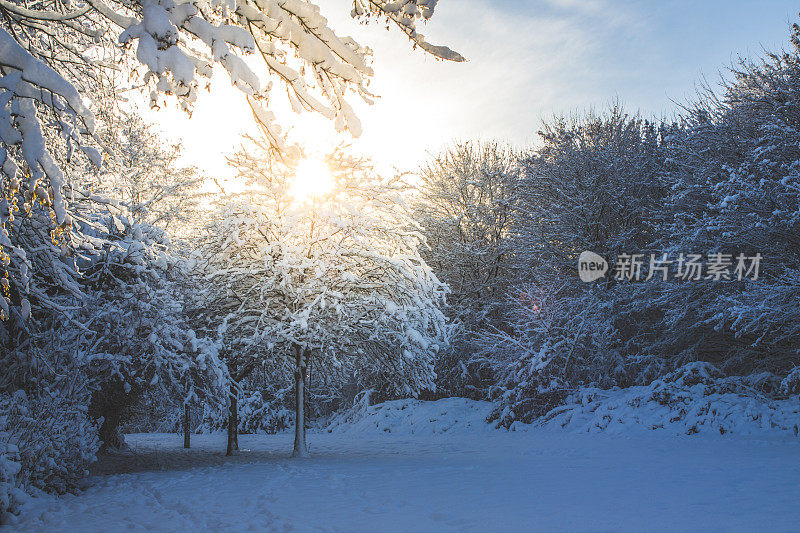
<point>341,278</point>
<point>405,14</point>
<point>57,59</point>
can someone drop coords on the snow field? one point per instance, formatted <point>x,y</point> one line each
<point>451,473</point>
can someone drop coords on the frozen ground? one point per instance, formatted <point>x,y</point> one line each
<point>434,467</point>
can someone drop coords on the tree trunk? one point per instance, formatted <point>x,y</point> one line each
<point>112,402</point>
<point>300,448</point>
<point>233,423</point>
<point>111,436</point>
<point>186,439</point>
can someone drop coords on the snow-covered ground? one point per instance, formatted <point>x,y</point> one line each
<point>436,467</point>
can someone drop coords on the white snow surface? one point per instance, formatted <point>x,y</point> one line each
<point>436,466</point>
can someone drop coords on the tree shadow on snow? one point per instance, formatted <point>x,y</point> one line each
<point>150,458</point>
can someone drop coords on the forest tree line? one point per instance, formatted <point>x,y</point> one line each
<point>720,180</point>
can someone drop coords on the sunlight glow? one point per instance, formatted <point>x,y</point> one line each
<point>312,178</point>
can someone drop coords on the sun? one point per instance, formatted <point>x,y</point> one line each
<point>312,177</point>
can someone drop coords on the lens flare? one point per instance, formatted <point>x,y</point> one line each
<point>312,178</point>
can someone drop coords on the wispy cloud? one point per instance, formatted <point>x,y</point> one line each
<point>526,60</point>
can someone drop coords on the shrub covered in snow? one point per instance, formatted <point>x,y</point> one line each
<point>259,415</point>
<point>10,493</point>
<point>56,439</point>
<point>791,383</point>
<point>47,442</point>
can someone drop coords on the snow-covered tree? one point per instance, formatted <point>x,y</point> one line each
<point>146,174</point>
<point>57,59</point>
<point>322,269</point>
<point>468,197</point>
<point>594,184</point>
<point>737,191</point>
<point>138,332</point>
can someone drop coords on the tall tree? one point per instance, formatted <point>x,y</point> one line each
<point>737,191</point>
<point>328,274</point>
<point>468,198</point>
<point>595,184</point>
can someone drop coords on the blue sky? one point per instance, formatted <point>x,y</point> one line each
<point>528,60</point>
<point>649,52</point>
<point>555,56</point>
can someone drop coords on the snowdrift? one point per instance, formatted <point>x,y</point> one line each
<point>696,398</point>
<point>414,417</point>
<point>693,399</point>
